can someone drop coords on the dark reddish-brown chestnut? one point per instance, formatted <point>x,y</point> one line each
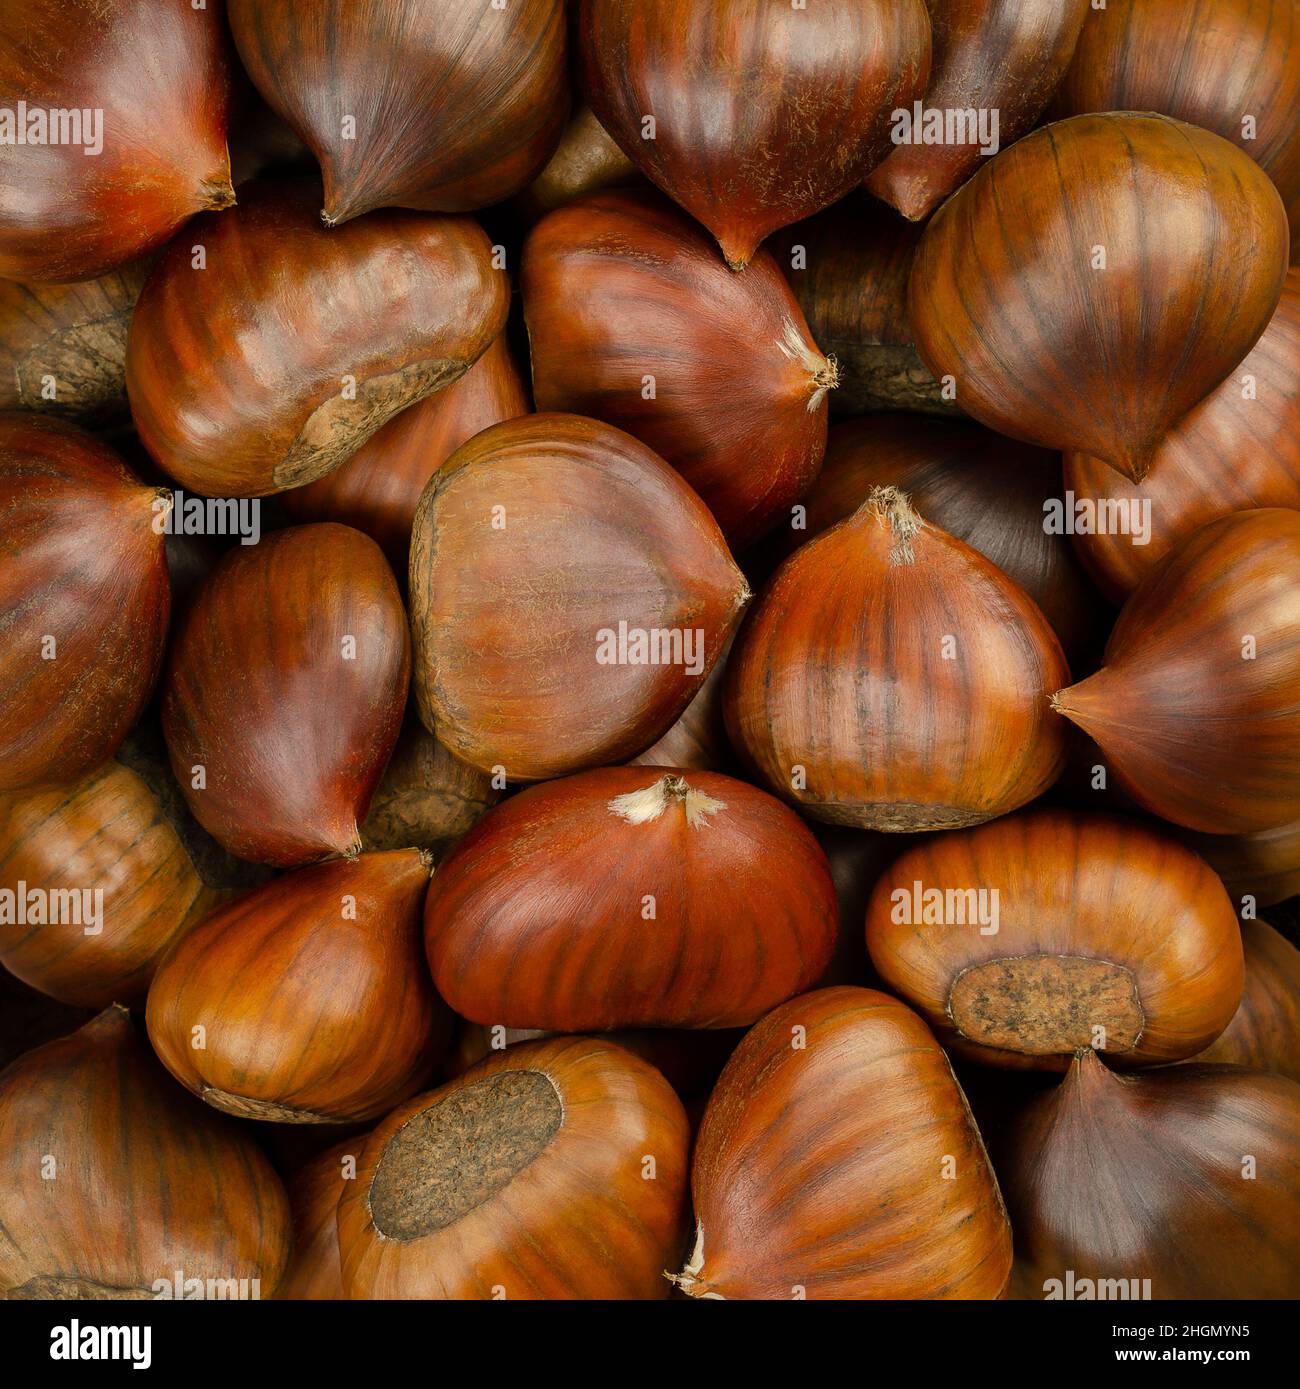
<point>634,320</point>
<point>443,105</point>
<point>1181,1182</point>
<point>1265,1031</point>
<point>85,598</point>
<point>1000,57</point>
<point>838,1159</point>
<point>94,885</point>
<point>379,487</point>
<point>266,349</point>
<point>1232,66</point>
<point>555,1169</point>
<point>332,1018</point>
<point>1239,448</point>
<point>1103,345</point>
<point>849,267</point>
<point>997,495</point>
<point>120,135</point>
<point>284,693</point>
<point>114,1178</point>
<point>1197,706</point>
<point>63,347</point>
<point>1024,940</point>
<point>630,897</point>
<point>753,115</point>
<point>569,595</point>
<point>891,677</point>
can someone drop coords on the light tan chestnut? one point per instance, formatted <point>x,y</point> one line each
<point>1026,939</point>
<point>304,1001</point>
<point>556,1169</point>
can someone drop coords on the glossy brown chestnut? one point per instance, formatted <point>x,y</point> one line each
<point>1024,940</point>
<point>1103,345</point>
<point>442,105</point>
<point>890,677</point>
<point>634,320</point>
<point>137,1180</point>
<point>332,1019</point>
<point>379,487</point>
<point>585,161</point>
<point>278,354</point>
<point>284,693</point>
<point>630,897</point>
<point>849,267</point>
<point>535,541</point>
<point>838,1159</point>
<point>989,55</point>
<point>105,885</point>
<point>555,1169</point>
<point>1182,1182</point>
<point>314,1274</point>
<point>63,347</point>
<point>427,798</point>
<point>85,598</point>
<point>1197,706</point>
<point>1265,1031</point>
<point>1238,449</point>
<point>1232,66</point>
<point>753,115</point>
<point>995,494</point>
<point>120,136</point>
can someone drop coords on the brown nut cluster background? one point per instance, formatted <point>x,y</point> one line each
<point>649,649</point>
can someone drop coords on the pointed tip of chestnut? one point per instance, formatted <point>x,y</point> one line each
<point>218,193</point>
<point>892,507</point>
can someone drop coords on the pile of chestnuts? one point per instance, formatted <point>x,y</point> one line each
<point>649,648</point>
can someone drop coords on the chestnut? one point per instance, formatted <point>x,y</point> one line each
<point>333,1019</point>
<point>314,1274</point>
<point>633,319</point>
<point>444,105</point>
<point>753,115</point>
<point>630,897</point>
<point>112,1178</point>
<point>297,643</point>
<point>1026,939</point>
<point>63,347</point>
<point>991,492</point>
<point>556,1169</point>
<point>120,136</point>
<point>838,1158</point>
<point>111,883</point>
<point>1132,341</point>
<point>891,677</point>
<point>1197,704</point>
<point>266,349</point>
<point>1182,1182</point>
<point>569,595</point>
<point>1265,1030</point>
<point>84,590</point>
